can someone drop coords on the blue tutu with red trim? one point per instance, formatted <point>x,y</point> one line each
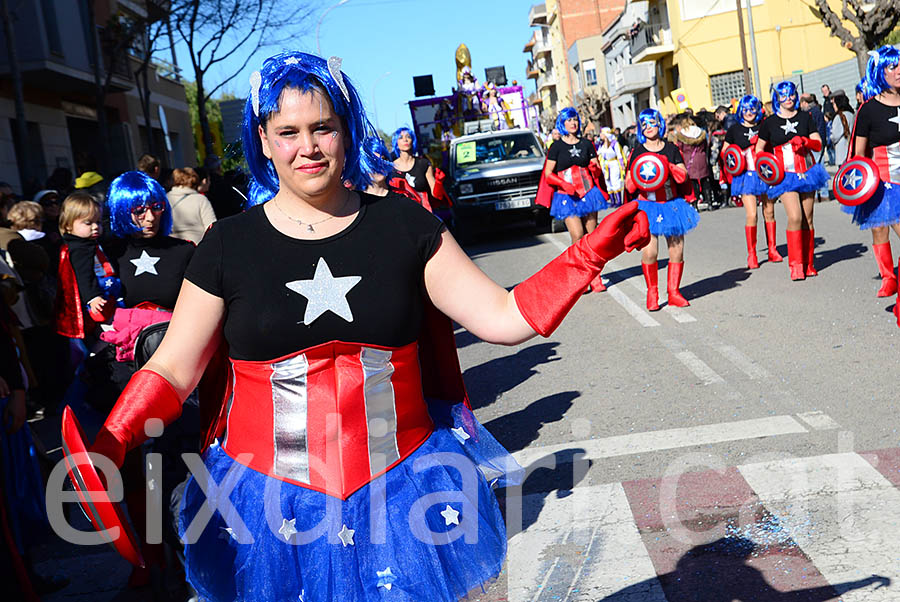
<point>812,180</point>
<point>883,209</point>
<point>429,528</point>
<point>674,217</point>
<point>564,205</point>
<point>748,183</point>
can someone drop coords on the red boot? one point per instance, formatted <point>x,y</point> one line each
<point>885,261</point>
<point>651,278</point>
<point>597,285</point>
<point>795,254</point>
<point>752,261</point>
<point>673,281</point>
<point>774,255</point>
<point>809,244</point>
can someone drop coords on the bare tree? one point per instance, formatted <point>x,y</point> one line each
<point>873,22</point>
<point>592,105</point>
<point>147,45</point>
<point>217,30</point>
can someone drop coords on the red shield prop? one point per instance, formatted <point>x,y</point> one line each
<point>734,160</point>
<point>649,172</point>
<point>856,181</point>
<point>92,495</point>
<point>770,169</point>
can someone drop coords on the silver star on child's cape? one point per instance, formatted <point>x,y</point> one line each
<point>287,529</point>
<point>145,264</point>
<point>325,293</point>
<point>790,127</point>
<point>451,516</point>
<point>346,536</point>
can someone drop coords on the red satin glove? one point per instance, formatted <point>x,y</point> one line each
<point>813,144</point>
<point>679,174</point>
<point>545,298</point>
<point>148,395</point>
<point>560,184</point>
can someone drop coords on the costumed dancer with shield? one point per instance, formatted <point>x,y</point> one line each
<point>792,173</point>
<point>875,150</point>
<point>657,174</point>
<point>740,163</point>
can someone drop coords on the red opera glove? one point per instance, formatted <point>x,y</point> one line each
<point>545,298</point>
<point>560,184</point>
<point>813,144</point>
<point>679,174</point>
<point>148,395</point>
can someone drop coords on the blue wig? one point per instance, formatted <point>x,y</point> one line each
<point>306,73</point>
<point>375,146</point>
<point>564,115</point>
<point>786,89</point>
<point>131,190</point>
<point>399,132</point>
<point>650,118</point>
<point>750,103</point>
<point>885,57</point>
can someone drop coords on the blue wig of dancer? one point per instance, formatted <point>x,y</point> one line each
<point>886,57</point>
<point>785,90</point>
<point>375,146</point>
<point>396,136</point>
<point>863,88</point>
<point>306,73</point>
<point>564,115</point>
<point>750,103</point>
<point>129,191</point>
<point>650,118</point>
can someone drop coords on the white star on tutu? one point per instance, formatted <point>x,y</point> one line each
<point>460,433</point>
<point>451,516</point>
<point>386,578</point>
<point>659,218</point>
<point>145,264</point>
<point>346,536</point>
<point>575,151</point>
<point>789,127</point>
<point>287,529</point>
<point>325,293</point>
<point>896,119</point>
<point>887,186</point>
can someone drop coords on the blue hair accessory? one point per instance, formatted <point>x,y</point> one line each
<point>334,68</point>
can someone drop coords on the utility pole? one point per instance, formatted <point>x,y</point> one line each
<point>759,91</point>
<point>747,86</point>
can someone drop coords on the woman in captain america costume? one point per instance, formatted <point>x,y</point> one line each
<point>346,463</point>
<point>669,214</point>
<point>876,134</point>
<point>747,185</point>
<point>792,136</point>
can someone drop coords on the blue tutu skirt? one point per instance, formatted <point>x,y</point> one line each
<point>428,529</point>
<point>748,183</point>
<point>814,179</point>
<point>883,209</point>
<point>564,205</point>
<point>672,218</point>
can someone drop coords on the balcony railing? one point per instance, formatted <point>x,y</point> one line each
<point>651,39</point>
<point>546,80</point>
<point>537,15</point>
<point>540,46</point>
<point>633,78</point>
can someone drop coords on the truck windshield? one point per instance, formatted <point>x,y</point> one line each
<point>502,147</point>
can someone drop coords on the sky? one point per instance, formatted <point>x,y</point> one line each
<point>403,38</point>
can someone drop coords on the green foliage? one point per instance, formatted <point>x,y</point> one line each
<point>893,37</point>
<point>212,105</point>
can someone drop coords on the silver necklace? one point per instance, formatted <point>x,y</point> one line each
<point>309,225</point>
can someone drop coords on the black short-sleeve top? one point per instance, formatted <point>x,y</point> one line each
<point>566,155</point>
<point>740,135</point>
<point>151,269</point>
<point>777,130</point>
<point>416,176</point>
<point>669,151</point>
<point>363,285</point>
<point>878,123</point>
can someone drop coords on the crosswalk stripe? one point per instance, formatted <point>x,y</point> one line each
<point>633,309</point>
<point>743,363</point>
<point>819,420</point>
<point>676,313</point>
<point>842,513</point>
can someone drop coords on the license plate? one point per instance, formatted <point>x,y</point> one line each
<point>513,204</point>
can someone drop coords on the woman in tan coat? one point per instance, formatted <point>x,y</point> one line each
<point>192,212</point>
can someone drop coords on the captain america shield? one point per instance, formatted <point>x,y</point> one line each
<point>856,181</point>
<point>770,169</point>
<point>734,161</point>
<point>649,172</point>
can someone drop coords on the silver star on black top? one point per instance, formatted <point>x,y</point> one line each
<point>575,151</point>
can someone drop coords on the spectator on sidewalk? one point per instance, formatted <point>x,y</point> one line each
<point>192,213</point>
<point>149,165</point>
<point>841,127</point>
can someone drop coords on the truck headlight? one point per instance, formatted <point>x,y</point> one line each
<point>466,189</point>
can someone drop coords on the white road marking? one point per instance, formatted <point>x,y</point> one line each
<point>842,513</point>
<point>820,421</point>
<point>585,543</point>
<point>744,363</point>
<point>700,369</point>
<point>637,443</point>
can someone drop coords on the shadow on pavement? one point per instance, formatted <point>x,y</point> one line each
<point>487,381</point>
<point>825,259</point>
<point>518,429</point>
<point>713,284</point>
<point>719,572</point>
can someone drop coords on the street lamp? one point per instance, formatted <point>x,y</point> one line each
<point>321,18</point>
<point>374,104</point>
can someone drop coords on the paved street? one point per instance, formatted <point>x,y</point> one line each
<point>740,448</point>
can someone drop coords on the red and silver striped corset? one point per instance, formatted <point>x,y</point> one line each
<point>750,158</point>
<point>330,418</point>
<point>664,193</point>
<point>887,158</point>
<point>793,162</point>
<point>579,177</point>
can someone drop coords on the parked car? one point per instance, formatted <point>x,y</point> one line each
<point>494,180</point>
